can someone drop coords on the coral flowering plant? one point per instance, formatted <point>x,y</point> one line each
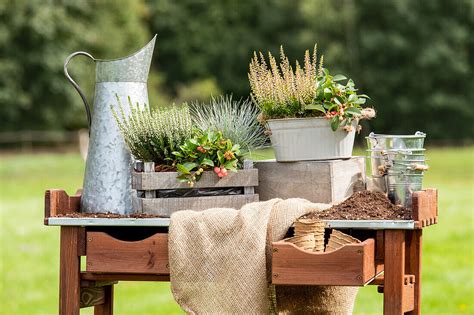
<point>338,102</point>
<point>206,150</point>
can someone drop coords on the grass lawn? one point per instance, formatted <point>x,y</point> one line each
<point>29,254</point>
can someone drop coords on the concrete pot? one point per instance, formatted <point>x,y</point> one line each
<point>300,139</point>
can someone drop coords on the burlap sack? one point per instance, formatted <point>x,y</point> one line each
<point>218,257</point>
<point>327,300</point>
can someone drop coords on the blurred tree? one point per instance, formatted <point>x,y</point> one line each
<point>416,61</point>
<point>331,24</point>
<point>36,37</point>
<point>200,90</point>
<point>198,39</point>
<point>413,58</point>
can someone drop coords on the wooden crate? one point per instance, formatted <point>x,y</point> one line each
<point>317,181</point>
<point>350,265</point>
<point>246,179</point>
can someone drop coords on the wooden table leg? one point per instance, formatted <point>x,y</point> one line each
<point>394,274</point>
<point>413,265</point>
<point>69,274</point>
<point>107,308</point>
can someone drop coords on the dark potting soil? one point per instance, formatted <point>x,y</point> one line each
<point>364,205</point>
<point>109,215</point>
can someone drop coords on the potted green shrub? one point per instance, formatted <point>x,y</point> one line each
<point>193,158</point>
<point>310,113</point>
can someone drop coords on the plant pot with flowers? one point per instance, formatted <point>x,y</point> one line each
<point>311,114</point>
<point>192,157</point>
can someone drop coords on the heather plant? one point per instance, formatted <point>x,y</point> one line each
<point>237,120</point>
<point>152,136</point>
<point>278,90</point>
<point>308,91</point>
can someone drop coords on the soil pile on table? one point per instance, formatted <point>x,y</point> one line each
<point>364,205</point>
<point>110,215</point>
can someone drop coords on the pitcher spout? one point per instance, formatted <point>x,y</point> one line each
<point>133,68</point>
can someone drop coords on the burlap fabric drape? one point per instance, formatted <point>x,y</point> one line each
<point>219,262</point>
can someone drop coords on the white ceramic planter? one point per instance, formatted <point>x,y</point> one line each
<point>298,139</point>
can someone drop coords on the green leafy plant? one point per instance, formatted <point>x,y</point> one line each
<point>338,102</point>
<point>278,90</point>
<point>152,136</point>
<point>237,120</point>
<point>204,151</point>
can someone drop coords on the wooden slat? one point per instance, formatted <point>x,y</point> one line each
<point>377,281</point>
<point>167,180</point>
<point>166,206</point>
<point>425,207</point>
<point>106,308</point>
<point>351,265</point>
<point>394,272</point>
<point>408,293</point>
<point>57,202</point>
<point>408,297</point>
<point>115,276</point>
<point>94,283</point>
<point>379,245</point>
<point>81,241</point>
<point>408,279</point>
<point>69,268</point>
<point>413,265</point>
<point>107,254</point>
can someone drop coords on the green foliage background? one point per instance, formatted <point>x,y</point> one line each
<point>414,58</point>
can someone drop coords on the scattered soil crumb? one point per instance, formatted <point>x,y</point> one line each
<point>109,215</point>
<point>364,205</point>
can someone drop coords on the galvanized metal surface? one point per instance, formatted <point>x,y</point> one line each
<point>371,224</point>
<point>107,179</point>
<point>133,68</point>
<point>389,142</point>
<point>158,222</point>
<point>164,222</point>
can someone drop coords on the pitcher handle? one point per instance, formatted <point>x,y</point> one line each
<point>76,86</point>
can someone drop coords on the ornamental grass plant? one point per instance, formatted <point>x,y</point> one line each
<point>237,120</point>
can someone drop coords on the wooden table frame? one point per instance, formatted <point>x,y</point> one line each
<point>397,251</point>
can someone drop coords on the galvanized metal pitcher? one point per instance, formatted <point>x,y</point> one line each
<point>107,179</point>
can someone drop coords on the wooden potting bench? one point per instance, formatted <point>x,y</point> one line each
<point>137,250</point>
